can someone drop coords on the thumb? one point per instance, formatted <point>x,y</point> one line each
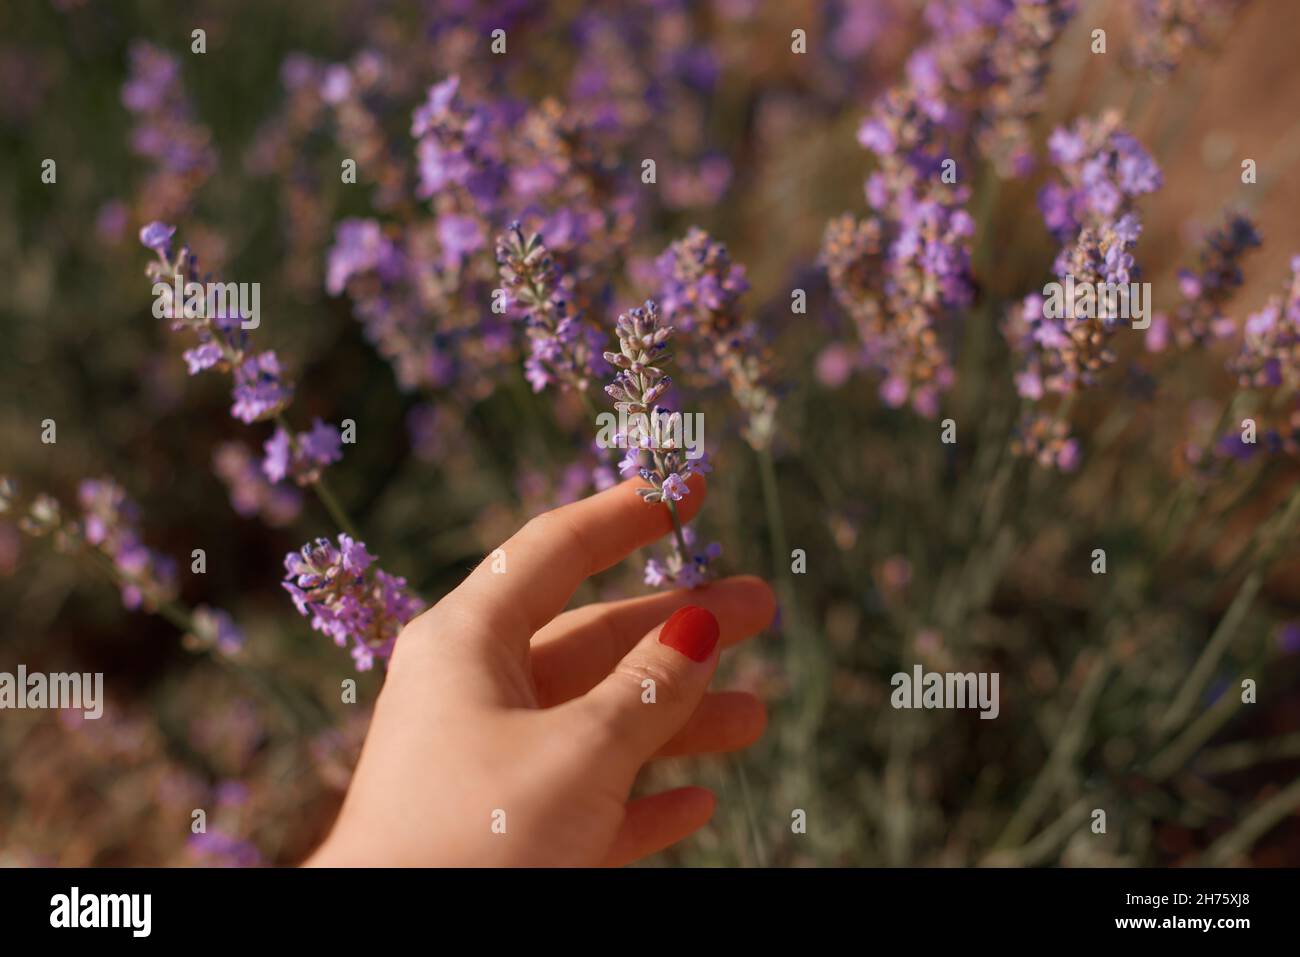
<point>653,691</point>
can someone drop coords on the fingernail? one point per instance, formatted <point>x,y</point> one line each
<point>691,630</point>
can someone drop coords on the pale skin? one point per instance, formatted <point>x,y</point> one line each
<point>498,700</point>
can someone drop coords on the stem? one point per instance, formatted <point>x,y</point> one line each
<point>1271,538</point>
<point>1257,823</point>
<point>802,651</point>
<point>1176,754</point>
<point>320,486</point>
<point>332,506</point>
<point>1040,848</point>
<point>1062,757</point>
<point>683,552</point>
<point>742,778</point>
<point>1245,754</point>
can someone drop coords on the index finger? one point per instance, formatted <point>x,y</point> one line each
<point>528,580</point>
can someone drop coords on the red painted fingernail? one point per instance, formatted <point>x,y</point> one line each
<point>691,630</point>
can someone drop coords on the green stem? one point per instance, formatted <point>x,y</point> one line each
<point>1271,538</point>
<point>1256,824</point>
<point>683,552</point>
<point>321,487</point>
<point>337,512</point>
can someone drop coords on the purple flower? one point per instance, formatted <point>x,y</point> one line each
<point>347,599</point>
<point>1200,319</point>
<point>202,357</point>
<point>1166,31</point>
<point>250,492</point>
<point>157,236</point>
<point>360,246</point>
<point>1047,440</point>
<point>279,451</point>
<point>110,524</point>
<point>699,292</point>
<point>353,554</point>
<point>903,273</point>
<point>1270,348</point>
<point>436,106</point>
<point>303,456</point>
<point>1090,210</point>
<point>336,85</point>
<point>1102,167</point>
<point>460,237</point>
<point>656,576</point>
<point>643,341</point>
<point>214,628</point>
<point>259,393</point>
<point>454,148</point>
<point>1288,638</point>
<point>683,571</point>
<point>563,348</point>
<point>674,488</point>
<point>165,133</point>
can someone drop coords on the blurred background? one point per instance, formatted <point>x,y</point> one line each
<point>240,147</point>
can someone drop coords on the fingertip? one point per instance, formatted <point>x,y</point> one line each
<point>693,631</point>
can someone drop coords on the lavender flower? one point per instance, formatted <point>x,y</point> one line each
<point>700,292</point>
<point>250,492</point>
<point>110,525</point>
<point>157,236</point>
<point>903,275</point>
<point>360,246</point>
<point>638,385</point>
<point>302,456</point>
<point>146,578</point>
<point>1103,169</point>
<point>215,629</point>
<point>650,435</point>
<point>902,283</point>
<point>1046,439</point>
<point>563,348</point>
<point>1166,30</point>
<point>677,571</point>
<point>1270,348</point>
<point>1090,209</point>
<point>165,132</point>
<point>260,391</point>
<point>428,322</point>
<point>348,599</point>
<point>1015,67</point>
<point>454,147</point>
<point>1199,318</point>
<point>987,64</point>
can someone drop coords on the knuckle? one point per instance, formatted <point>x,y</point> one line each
<point>554,526</point>
<point>666,683</point>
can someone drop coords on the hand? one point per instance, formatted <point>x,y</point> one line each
<point>509,733</point>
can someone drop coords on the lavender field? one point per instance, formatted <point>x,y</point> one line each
<point>979,320</point>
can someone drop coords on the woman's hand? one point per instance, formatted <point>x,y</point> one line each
<point>510,732</point>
